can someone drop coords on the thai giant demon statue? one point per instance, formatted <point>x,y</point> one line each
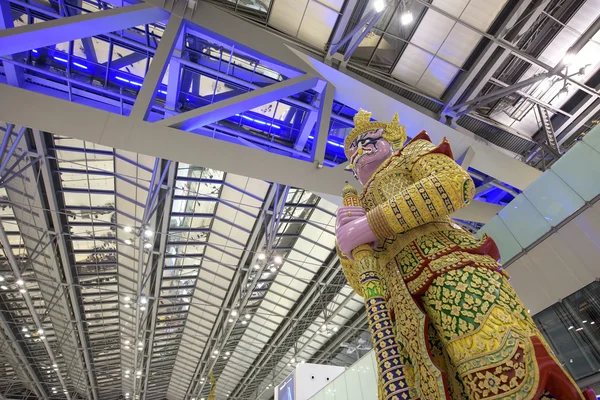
<point>461,330</point>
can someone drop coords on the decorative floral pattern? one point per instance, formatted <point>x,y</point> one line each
<point>461,330</point>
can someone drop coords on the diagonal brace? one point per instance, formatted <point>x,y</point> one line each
<point>209,114</point>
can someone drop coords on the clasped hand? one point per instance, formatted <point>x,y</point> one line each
<point>352,229</point>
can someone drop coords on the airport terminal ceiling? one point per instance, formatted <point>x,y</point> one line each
<point>169,171</point>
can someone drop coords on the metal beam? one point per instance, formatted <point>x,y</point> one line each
<point>61,30</point>
<point>490,159</point>
<point>14,266</point>
<point>357,39</point>
<point>14,74</point>
<point>246,37</point>
<point>341,25</point>
<point>457,89</point>
<point>15,345</point>
<point>160,62</point>
<point>125,61</point>
<point>366,19</point>
<point>66,263</point>
<point>323,123</point>
<point>204,366</point>
<point>164,229</point>
<point>215,112</point>
<point>573,50</point>
<point>65,118</point>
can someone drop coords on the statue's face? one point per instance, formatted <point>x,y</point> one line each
<point>368,151</point>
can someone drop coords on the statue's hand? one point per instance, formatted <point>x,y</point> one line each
<point>352,229</point>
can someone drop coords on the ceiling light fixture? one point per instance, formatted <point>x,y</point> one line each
<point>247,316</point>
<point>20,282</point>
<point>40,331</point>
<point>244,322</point>
<point>234,313</point>
<point>230,320</point>
<point>257,266</point>
<point>273,269</point>
<point>3,287</point>
<point>278,259</point>
<point>24,329</point>
<point>42,337</point>
<point>379,5</point>
<point>142,308</point>
<point>261,256</point>
<point>1,278</point>
<point>148,233</point>
<point>128,229</point>
<point>128,242</point>
<point>127,298</point>
<point>22,290</point>
<point>147,245</point>
<point>143,300</point>
<point>406,18</point>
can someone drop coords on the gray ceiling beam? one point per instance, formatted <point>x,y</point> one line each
<point>164,235</point>
<point>556,70</point>
<point>66,29</point>
<point>329,320</point>
<point>63,251</point>
<point>323,123</point>
<point>160,62</point>
<point>14,74</point>
<point>12,261</point>
<point>459,87</point>
<point>215,112</point>
<point>341,26</point>
<point>299,310</point>
<point>498,94</point>
<point>15,347</point>
<point>235,288</point>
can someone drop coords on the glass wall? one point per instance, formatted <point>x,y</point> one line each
<point>358,382</point>
<point>572,328</point>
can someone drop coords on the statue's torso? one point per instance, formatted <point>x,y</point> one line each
<point>425,251</point>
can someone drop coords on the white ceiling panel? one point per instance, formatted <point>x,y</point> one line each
<point>459,44</point>
<point>452,7</point>
<point>432,31</point>
<point>412,64</point>
<point>481,13</point>
<point>437,77</point>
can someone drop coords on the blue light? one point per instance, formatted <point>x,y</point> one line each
<point>135,83</point>
<point>258,121</point>
<point>34,51</point>
<point>122,79</point>
<point>330,142</point>
<point>163,92</point>
<point>79,65</point>
<point>60,59</point>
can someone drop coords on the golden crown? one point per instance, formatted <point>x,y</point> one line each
<point>393,132</point>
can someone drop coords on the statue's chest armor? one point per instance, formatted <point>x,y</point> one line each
<point>387,183</point>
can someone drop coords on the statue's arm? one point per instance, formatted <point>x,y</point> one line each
<point>441,187</point>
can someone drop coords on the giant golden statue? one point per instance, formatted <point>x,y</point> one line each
<point>460,328</point>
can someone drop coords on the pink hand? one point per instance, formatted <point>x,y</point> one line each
<point>354,233</point>
<point>348,214</point>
